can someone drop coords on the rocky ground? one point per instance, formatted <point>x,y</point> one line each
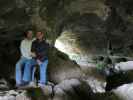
<point>72,89</point>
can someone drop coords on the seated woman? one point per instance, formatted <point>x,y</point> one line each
<point>25,49</point>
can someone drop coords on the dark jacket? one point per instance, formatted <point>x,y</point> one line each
<point>40,49</point>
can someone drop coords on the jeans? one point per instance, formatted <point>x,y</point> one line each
<point>20,65</point>
<point>30,71</point>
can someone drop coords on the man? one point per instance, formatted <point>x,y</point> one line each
<point>39,51</point>
<point>25,49</point>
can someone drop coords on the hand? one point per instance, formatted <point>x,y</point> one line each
<point>33,54</point>
<point>39,62</point>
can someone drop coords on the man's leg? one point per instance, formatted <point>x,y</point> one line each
<point>33,73</point>
<point>43,72</point>
<point>19,66</point>
<point>28,70</point>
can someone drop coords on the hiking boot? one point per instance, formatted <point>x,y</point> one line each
<point>20,85</point>
<point>24,83</point>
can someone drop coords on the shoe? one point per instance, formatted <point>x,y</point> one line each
<point>24,83</point>
<point>41,85</point>
<point>32,84</point>
<point>19,85</point>
<point>50,83</point>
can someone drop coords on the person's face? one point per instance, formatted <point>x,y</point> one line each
<point>29,34</point>
<point>39,35</point>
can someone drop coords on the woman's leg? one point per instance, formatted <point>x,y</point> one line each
<point>27,77</point>
<point>19,66</point>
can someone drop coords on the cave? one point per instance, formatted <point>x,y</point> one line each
<point>81,34</point>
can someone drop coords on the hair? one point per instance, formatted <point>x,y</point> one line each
<point>26,32</point>
<point>44,32</point>
<point>41,30</point>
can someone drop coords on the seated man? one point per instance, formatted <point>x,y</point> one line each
<point>39,51</point>
<point>25,49</point>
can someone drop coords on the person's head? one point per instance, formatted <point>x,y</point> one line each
<point>39,35</point>
<point>29,34</point>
